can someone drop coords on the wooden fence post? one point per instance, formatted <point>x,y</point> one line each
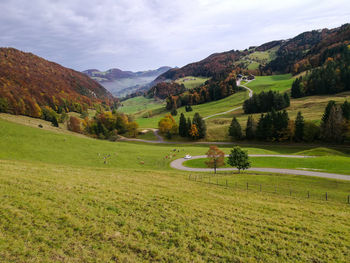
<point>226,183</point>
<point>308,194</point>
<point>189,177</point>
<point>260,187</point>
<point>247,186</point>
<point>326,196</point>
<point>348,199</point>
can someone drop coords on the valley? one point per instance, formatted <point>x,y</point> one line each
<point>243,156</point>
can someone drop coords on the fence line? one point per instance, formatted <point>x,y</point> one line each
<point>274,189</point>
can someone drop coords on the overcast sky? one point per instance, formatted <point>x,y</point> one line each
<point>146,34</point>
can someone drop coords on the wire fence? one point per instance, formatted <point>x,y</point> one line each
<point>311,194</point>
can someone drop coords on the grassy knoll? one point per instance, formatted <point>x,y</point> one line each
<point>60,203</point>
<point>191,82</point>
<point>327,163</point>
<point>204,109</point>
<point>140,104</point>
<point>279,83</point>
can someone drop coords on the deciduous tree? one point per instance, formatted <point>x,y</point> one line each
<point>239,158</point>
<point>216,157</point>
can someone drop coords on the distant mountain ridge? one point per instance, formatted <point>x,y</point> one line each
<point>121,83</point>
<point>29,82</point>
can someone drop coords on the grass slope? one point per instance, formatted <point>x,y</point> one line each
<point>279,83</point>
<point>140,104</point>
<point>60,203</point>
<point>191,82</point>
<point>204,110</point>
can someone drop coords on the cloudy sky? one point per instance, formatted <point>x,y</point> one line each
<point>145,34</point>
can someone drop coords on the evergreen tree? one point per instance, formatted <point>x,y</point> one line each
<point>189,125</point>
<point>327,111</point>
<point>346,110</point>
<point>299,127</point>
<point>250,129</point>
<point>201,126</point>
<point>332,128</point>
<point>183,126</point>
<point>296,91</point>
<point>238,158</point>
<point>54,121</point>
<point>235,130</point>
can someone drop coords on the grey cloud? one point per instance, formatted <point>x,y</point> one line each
<point>140,34</point>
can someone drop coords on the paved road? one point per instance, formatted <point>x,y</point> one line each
<point>178,164</point>
<point>234,109</point>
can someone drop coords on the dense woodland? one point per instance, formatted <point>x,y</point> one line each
<point>29,83</point>
<point>332,77</point>
<point>276,126</point>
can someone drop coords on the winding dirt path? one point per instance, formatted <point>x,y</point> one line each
<point>234,109</point>
<point>178,164</point>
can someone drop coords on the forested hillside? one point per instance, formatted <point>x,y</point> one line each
<point>28,83</point>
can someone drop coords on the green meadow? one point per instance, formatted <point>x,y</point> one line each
<point>61,202</point>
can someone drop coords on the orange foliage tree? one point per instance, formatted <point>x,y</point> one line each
<point>216,157</point>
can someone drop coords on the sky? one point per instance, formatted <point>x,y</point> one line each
<point>146,34</point>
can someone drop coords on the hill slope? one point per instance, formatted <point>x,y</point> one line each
<point>305,51</point>
<point>28,82</point>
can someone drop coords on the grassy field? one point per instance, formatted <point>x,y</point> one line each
<point>59,202</point>
<point>279,83</point>
<point>191,82</point>
<point>140,105</point>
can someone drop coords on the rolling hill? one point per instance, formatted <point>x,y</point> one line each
<point>28,82</point>
<point>303,52</point>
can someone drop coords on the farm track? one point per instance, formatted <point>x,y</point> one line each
<point>178,164</point>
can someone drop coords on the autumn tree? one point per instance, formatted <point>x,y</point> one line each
<point>193,132</point>
<point>216,157</point>
<point>74,124</point>
<point>239,158</point>
<point>132,128</point>
<point>201,126</point>
<point>167,125</point>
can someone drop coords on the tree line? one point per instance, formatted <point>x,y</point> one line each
<point>277,126</point>
<point>194,129</point>
<point>213,89</point>
<point>266,101</point>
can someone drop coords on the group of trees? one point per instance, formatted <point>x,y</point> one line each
<point>266,101</point>
<point>107,125</point>
<point>276,126</point>
<point>195,129</point>
<point>237,158</point>
<point>332,77</point>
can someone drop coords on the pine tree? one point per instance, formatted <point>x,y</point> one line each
<point>333,128</point>
<point>200,123</point>
<point>235,130</point>
<point>183,126</point>
<point>346,110</point>
<point>250,129</point>
<point>299,127</point>
<point>54,121</point>
<point>189,125</point>
<point>296,91</point>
